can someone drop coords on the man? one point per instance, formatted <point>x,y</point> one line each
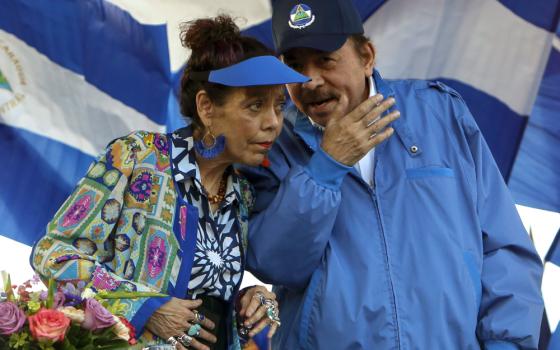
<point>377,240</point>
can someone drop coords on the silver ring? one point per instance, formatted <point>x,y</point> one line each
<point>172,341</point>
<point>272,312</point>
<point>260,295</point>
<point>198,317</point>
<point>185,340</point>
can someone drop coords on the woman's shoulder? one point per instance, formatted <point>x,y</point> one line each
<point>139,146</point>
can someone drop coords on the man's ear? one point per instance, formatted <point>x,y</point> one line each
<point>204,107</point>
<point>367,52</point>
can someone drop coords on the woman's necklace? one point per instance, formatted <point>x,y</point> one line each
<point>218,197</point>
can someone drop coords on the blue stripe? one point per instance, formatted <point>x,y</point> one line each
<point>502,128</point>
<point>96,39</point>
<point>542,13</point>
<point>38,174</point>
<point>535,179</point>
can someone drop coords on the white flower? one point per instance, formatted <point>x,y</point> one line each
<point>88,293</point>
<point>120,330</point>
<point>75,315</point>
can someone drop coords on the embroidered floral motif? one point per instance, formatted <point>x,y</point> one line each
<point>138,223</point>
<point>78,211</point>
<point>122,242</point>
<point>156,256</point>
<point>85,245</point>
<point>129,268</point>
<point>166,215</point>
<point>45,243</point>
<point>111,177</point>
<point>161,144</point>
<point>97,170</point>
<point>101,280</point>
<point>141,186</point>
<point>111,211</point>
<point>97,231</point>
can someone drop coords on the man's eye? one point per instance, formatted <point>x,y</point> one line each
<point>295,66</point>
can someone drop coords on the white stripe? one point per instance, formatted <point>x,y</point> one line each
<point>556,43</point>
<point>59,104</point>
<point>479,42</point>
<point>174,12</point>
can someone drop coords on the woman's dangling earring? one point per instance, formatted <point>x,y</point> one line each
<point>209,149</point>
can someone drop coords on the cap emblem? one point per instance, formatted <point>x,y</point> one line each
<point>301,16</point>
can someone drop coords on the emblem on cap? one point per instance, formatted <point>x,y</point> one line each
<point>301,16</point>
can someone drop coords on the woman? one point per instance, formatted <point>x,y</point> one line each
<point>168,213</point>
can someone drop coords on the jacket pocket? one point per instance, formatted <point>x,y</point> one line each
<point>307,308</point>
<point>431,171</point>
<point>474,274</point>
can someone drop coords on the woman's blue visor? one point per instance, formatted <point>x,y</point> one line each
<point>255,71</point>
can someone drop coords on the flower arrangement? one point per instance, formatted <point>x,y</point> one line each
<point>69,317</point>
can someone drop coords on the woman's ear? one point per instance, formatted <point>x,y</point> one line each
<point>204,107</point>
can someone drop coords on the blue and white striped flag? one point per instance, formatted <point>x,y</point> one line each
<point>76,74</point>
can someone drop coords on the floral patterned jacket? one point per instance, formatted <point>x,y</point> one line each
<point>125,227</point>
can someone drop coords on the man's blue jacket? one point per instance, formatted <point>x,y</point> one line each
<point>433,256</point>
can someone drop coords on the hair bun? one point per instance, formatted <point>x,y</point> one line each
<point>203,33</point>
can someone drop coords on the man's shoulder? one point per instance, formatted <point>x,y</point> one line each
<point>423,88</point>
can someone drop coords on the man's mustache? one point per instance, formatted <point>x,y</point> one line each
<point>314,96</point>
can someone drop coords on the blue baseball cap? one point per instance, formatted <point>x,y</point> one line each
<point>318,24</point>
<point>255,71</point>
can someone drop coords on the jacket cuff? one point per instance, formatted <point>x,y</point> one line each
<point>145,312</point>
<point>325,170</point>
<point>499,345</point>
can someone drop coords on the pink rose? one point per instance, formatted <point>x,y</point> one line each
<point>12,318</point>
<point>48,324</point>
<point>96,316</point>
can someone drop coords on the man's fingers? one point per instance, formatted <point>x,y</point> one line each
<point>376,139</point>
<point>365,107</point>
<point>382,123</point>
<point>375,114</point>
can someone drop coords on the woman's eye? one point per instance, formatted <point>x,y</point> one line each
<point>255,107</point>
<point>281,106</point>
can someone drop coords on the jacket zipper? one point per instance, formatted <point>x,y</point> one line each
<point>386,253</point>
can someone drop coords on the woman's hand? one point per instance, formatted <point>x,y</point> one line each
<point>255,313</point>
<point>175,318</point>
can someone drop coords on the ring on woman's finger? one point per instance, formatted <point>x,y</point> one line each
<point>198,317</point>
<point>185,340</point>
<point>194,330</point>
<point>272,312</point>
<point>172,341</point>
<point>260,296</point>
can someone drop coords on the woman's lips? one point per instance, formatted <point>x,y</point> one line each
<point>266,145</point>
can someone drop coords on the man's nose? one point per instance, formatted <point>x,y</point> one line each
<point>315,75</point>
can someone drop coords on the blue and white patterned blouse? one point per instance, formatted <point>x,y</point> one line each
<point>217,264</point>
